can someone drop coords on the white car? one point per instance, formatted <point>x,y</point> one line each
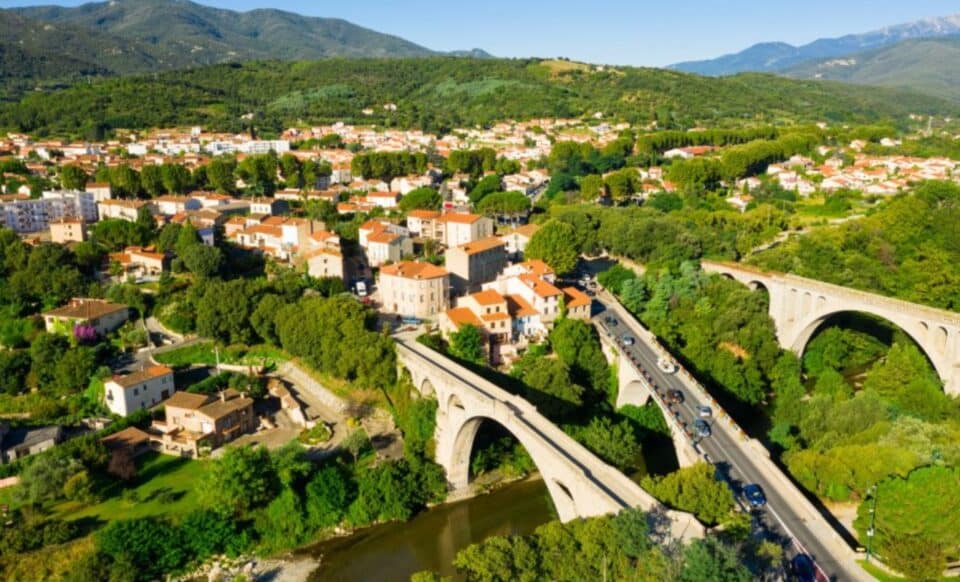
<point>361,289</point>
<point>666,366</point>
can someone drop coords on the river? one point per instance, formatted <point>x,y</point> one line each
<point>430,540</point>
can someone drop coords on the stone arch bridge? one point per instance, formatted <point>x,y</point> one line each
<point>799,306</point>
<point>580,484</point>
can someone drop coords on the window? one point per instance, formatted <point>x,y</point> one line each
<point>136,391</point>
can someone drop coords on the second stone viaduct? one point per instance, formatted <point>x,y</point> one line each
<point>799,306</point>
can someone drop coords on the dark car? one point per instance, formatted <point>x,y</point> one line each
<point>802,568</point>
<point>675,396</point>
<point>754,495</point>
<point>703,429</point>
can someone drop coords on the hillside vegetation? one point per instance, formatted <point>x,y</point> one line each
<point>280,94</point>
<point>206,35</point>
<point>930,66</point>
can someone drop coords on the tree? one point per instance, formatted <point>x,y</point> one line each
<point>710,559</point>
<point>917,523</point>
<point>421,198</point>
<point>326,496</point>
<point>592,187</point>
<point>282,523</point>
<point>577,345</point>
<point>555,244</point>
<point>151,178</point>
<point>550,388</point>
<point>202,260</point>
<point>239,481</point>
<point>509,205</point>
<point>43,480</point>
<point>14,367</point>
<point>356,442</point>
<point>219,174</point>
<point>694,489</point>
<point>206,533</point>
<point>614,442</point>
<point>72,177</point>
<point>292,171</point>
<point>151,546</point>
<point>125,181</point>
<point>487,185</point>
<point>176,178</point>
<point>467,343</point>
<point>259,172</point>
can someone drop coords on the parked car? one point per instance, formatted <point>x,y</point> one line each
<point>704,411</point>
<point>361,288</point>
<point>611,320</point>
<point>754,495</point>
<point>675,396</point>
<point>802,568</point>
<point>628,340</point>
<point>702,428</point>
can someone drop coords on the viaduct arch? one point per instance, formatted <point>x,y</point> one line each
<point>798,306</point>
<point>580,484</point>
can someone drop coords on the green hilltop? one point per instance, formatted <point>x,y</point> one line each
<point>441,93</point>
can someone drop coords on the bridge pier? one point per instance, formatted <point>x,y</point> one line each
<point>634,389</point>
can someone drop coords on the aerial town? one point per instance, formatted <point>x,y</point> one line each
<point>329,305</point>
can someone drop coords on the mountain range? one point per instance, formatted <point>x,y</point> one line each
<point>780,56</point>
<point>921,56</point>
<point>142,36</point>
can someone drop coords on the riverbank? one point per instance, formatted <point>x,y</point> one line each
<point>431,539</point>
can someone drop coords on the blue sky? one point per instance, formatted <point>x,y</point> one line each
<point>634,32</point>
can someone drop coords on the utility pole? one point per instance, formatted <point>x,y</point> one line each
<point>873,521</point>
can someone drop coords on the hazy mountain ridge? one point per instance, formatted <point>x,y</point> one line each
<point>778,56</point>
<point>930,65</point>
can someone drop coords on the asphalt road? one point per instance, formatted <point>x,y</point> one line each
<point>733,459</point>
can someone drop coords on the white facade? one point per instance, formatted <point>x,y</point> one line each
<point>126,394</point>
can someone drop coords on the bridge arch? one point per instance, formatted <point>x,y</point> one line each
<point>931,345</point>
<point>458,466</point>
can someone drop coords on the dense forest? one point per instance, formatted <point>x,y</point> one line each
<point>909,248</point>
<point>485,90</point>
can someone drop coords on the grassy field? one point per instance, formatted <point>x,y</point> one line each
<point>164,485</point>
<point>202,353</point>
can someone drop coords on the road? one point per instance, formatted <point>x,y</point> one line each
<point>736,459</point>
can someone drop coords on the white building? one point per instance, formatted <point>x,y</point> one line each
<point>132,392</point>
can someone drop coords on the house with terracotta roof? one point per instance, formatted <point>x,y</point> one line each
<point>269,206</point>
<point>489,311</point>
<point>518,239</point>
<point>475,263</point>
<point>102,315</point>
<point>459,228</point>
<point>323,262</point>
<point>423,223</point>
<point>170,204</point>
<point>198,423</point>
<point>387,200</point>
<point>141,261</point>
<point>122,209</point>
<point>414,289</point>
<point>128,393</point>
<point>383,241</point>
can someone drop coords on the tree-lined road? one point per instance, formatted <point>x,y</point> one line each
<point>739,460</point>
